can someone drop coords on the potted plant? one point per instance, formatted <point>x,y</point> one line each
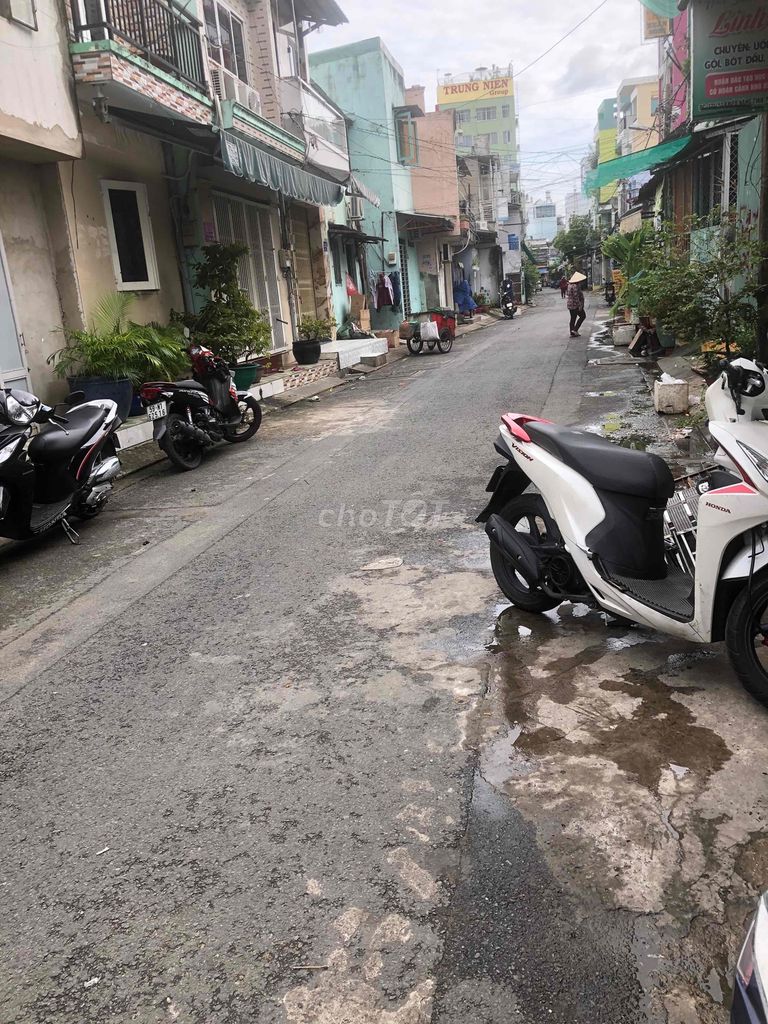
<point>313,332</point>
<point>229,324</point>
<point>114,354</point>
<point>702,283</point>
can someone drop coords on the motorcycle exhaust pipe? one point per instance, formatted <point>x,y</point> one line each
<point>516,548</point>
<point>105,471</point>
<point>195,434</point>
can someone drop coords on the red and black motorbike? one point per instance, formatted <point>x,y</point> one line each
<point>191,415</point>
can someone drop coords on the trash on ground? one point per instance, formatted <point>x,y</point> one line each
<point>382,563</point>
<point>91,982</point>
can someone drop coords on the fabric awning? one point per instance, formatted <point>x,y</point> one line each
<point>249,161</point>
<point>343,231</point>
<point>626,166</point>
<point>425,221</point>
<point>357,188</point>
<point>664,8</point>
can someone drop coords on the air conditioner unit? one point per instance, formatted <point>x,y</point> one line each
<point>228,87</point>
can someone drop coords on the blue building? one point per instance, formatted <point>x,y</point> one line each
<point>365,82</point>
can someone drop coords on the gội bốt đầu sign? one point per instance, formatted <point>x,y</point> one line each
<point>729,58</point>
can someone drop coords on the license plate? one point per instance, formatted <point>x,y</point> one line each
<point>157,411</point>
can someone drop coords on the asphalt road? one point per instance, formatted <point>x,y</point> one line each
<point>274,751</point>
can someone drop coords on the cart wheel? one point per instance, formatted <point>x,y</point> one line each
<point>445,344</point>
<point>415,345</point>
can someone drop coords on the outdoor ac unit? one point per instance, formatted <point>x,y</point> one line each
<point>227,87</point>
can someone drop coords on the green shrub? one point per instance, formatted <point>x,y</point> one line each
<point>115,347</point>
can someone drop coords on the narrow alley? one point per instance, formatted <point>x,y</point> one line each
<point>276,750</point>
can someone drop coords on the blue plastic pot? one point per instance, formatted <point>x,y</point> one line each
<point>120,391</point>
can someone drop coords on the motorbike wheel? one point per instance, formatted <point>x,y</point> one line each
<point>249,424</point>
<point>527,515</point>
<point>445,342</point>
<point>746,638</point>
<point>415,345</point>
<point>184,454</point>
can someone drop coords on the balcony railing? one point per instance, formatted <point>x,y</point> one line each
<point>157,30</point>
<point>317,116</point>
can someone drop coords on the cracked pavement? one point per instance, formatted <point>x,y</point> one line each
<point>252,772</point>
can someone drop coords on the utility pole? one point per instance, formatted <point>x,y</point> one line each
<point>762,329</point>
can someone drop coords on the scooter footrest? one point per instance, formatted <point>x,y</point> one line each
<point>671,596</point>
<point>44,516</point>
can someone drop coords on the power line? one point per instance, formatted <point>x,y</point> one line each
<point>562,38</point>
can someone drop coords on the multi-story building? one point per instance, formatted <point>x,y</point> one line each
<point>199,124</point>
<point>365,81</point>
<point>637,105</point>
<point>483,102</point>
<point>576,205</point>
<point>542,219</point>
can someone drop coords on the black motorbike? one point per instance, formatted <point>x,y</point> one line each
<point>508,304</point>
<point>66,469</point>
<point>191,415</point>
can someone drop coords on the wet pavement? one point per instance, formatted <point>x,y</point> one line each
<point>275,750</point>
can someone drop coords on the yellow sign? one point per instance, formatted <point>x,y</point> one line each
<point>468,92</point>
<point>655,26</point>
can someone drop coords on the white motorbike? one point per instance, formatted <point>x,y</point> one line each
<point>610,528</point>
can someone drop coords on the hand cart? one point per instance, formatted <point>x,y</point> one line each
<point>445,321</point>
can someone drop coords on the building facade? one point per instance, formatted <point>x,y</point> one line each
<point>129,143</point>
<point>542,219</point>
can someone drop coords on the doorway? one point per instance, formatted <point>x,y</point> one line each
<point>13,370</point>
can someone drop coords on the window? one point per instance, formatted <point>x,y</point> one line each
<point>485,114</point>
<point>249,224</point>
<point>707,182</point>
<point>505,111</point>
<point>507,138</point>
<point>226,38</point>
<point>493,138</point>
<point>654,104</point>
<point>130,235</point>
<point>463,141</point>
<point>23,12</point>
<point>463,115</point>
<point>407,144</point>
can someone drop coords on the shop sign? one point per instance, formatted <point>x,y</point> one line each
<point>482,89</point>
<point>729,58</point>
<point>654,26</point>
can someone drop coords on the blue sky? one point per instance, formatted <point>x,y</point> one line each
<point>557,97</point>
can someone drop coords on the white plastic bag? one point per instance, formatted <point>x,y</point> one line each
<point>429,331</point>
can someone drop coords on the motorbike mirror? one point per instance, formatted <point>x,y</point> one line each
<point>74,397</point>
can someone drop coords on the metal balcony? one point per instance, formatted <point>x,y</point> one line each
<point>161,32</point>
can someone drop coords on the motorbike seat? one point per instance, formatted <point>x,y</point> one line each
<point>52,444</point>
<point>195,385</point>
<point>607,466</point>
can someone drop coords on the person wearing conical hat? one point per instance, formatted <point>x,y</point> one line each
<point>574,300</point>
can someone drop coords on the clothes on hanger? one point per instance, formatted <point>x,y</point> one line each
<point>384,293</point>
<point>397,295</point>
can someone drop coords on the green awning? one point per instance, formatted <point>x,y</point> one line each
<point>664,8</point>
<point>249,161</point>
<point>626,166</point>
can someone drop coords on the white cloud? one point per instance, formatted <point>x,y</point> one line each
<point>557,97</point>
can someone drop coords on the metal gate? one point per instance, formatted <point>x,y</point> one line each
<point>404,280</point>
<point>240,221</point>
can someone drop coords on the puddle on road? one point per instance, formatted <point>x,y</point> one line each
<point>630,752</point>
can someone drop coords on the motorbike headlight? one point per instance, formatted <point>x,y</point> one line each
<point>20,414</point>
<point>758,460</point>
<point>7,450</point>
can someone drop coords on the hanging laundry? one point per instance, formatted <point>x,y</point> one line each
<point>397,296</point>
<point>351,286</point>
<point>462,296</point>
<point>384,294</point>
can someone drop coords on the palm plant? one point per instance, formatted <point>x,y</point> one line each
<point>115,348</point>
